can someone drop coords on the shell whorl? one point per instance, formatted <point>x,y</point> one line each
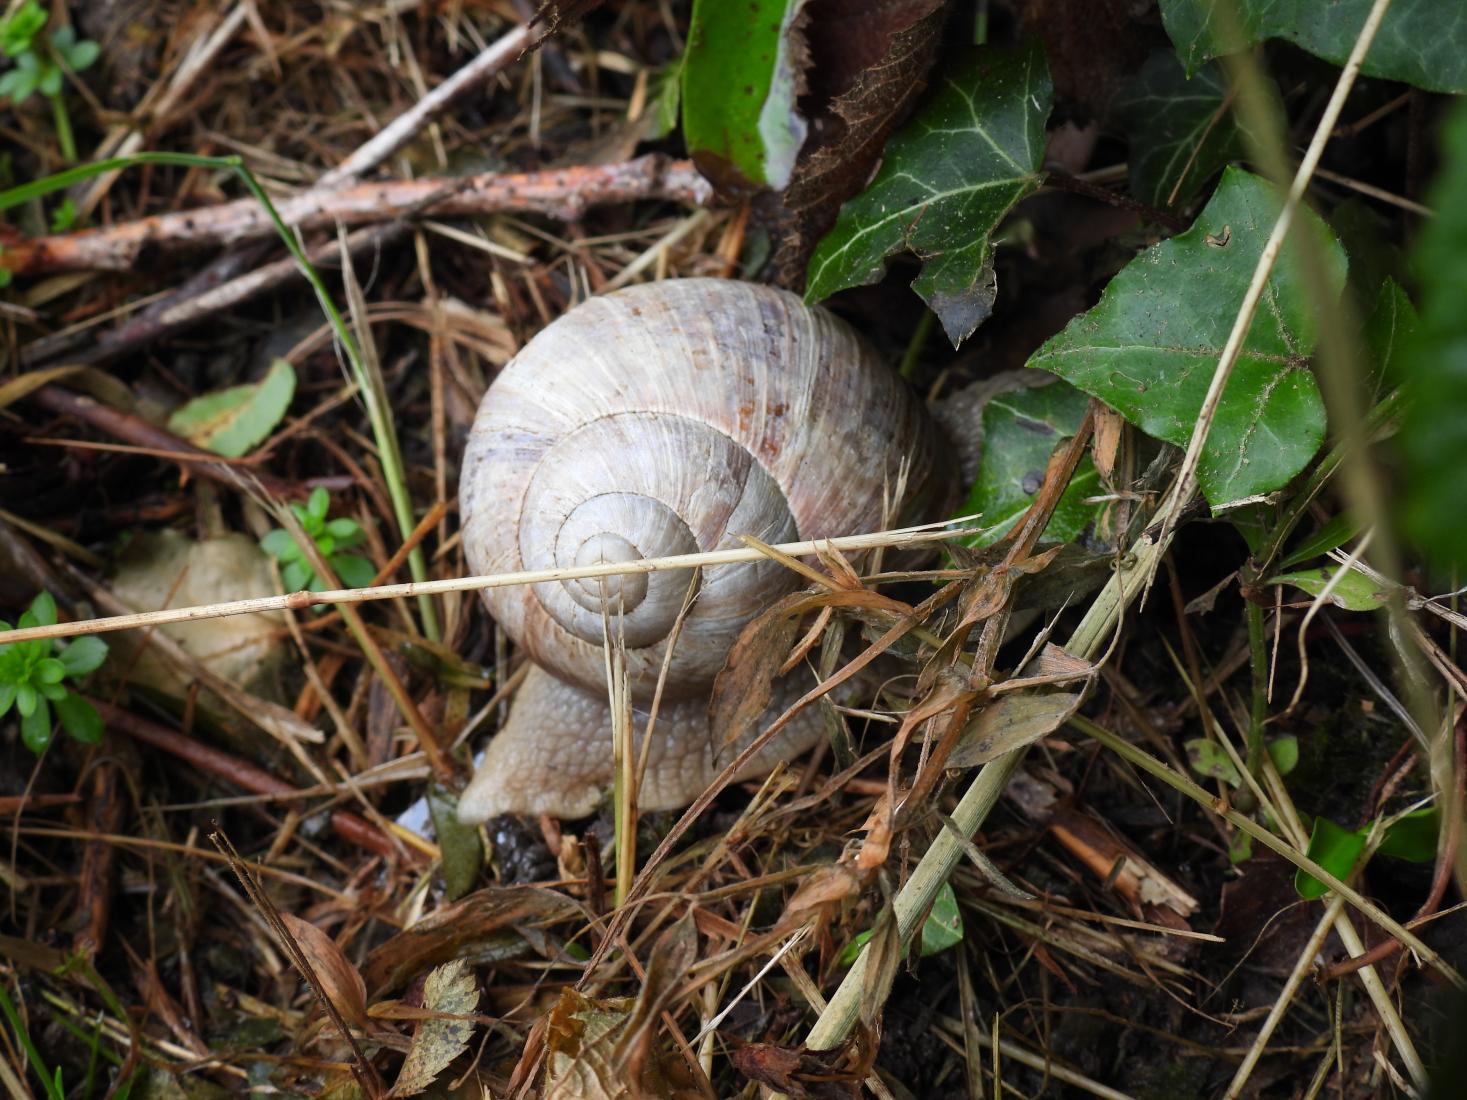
<point>671,418</point>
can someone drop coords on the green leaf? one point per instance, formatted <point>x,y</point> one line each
<point>463,852</point>
<point>280,544</point>
<point>353,570</point>
<point>229,422</point>
<point>36,727</point>
<point>78,55</point>
<point>1355,592</point>
<point>1208,759</point>
<point>7,697</point>
<point>1284,752</point>
<point>317,505</point>
<point>1338,531</point>
<point>942,929</point>
<point>1433,437</point>
<point>1333,848</point>
<point>944,924</point>
<point>49,81</point>
<point>50,671</point>
<point>1021,429</point>
<point>26,699</point>
<point>296,576</point>
<point>43,607</point>
<point>1180,130</point>
<point>946,180</point>
<point>1149,348</point>
<point>1413,836</point>
<point>83,655</point>
<point>1389,330</point>
<point>1420,42</point>
<point>18,31</point>
<point>345,531</point>
<point>741,76</point>
<point>64,216</point>
<point>17,85</point>
<point>79,718</point>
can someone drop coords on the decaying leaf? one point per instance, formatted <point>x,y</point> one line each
<point>744,687</point>
<point>480,929</point>
<point>1010,722</point>
<point>797,1073</point>
<point>451,991</point>
<point>673,953</point>
<point>339,979</point>
<point>581,1036</point>
<point>168,569</point>
<point>868,64</point>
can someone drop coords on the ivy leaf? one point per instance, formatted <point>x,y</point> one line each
<point>1021,429</point>
<point>1433,438</point>
<point>1420,42</point>
<point>947,179</point>
<point>229,422</point>
<point>1180,130</point>
<point>741,77</point>
<point>1150,346</point>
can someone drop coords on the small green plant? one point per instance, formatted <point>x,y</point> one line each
<point>39,60</point>
<point>33,678</point>
<point>331,536</point>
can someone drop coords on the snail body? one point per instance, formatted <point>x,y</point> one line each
<point>665,419</point>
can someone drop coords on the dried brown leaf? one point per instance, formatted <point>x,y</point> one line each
<point>1010,722</point>
<point>674,952</point>
<point>742,690</point>
<point>483,927</point>
<point>799,1073</point>
<point>339,979</point>
<point>450,990</point>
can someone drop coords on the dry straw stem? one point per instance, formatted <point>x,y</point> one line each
<point>915,897</point>
<point>295,601</point>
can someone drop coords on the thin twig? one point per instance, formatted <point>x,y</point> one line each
<point>564,193</point>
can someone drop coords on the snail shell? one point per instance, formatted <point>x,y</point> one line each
<point>668,418</point>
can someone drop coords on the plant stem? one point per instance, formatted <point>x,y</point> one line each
<point>62,121</point>
<point>31,1053</point>
<point>1258,655</point>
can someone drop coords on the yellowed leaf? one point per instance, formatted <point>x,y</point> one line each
<point>451,992</point>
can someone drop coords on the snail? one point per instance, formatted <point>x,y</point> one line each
<point>667,418</point>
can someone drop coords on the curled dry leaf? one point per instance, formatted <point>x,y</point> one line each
<point>451,992</point>
<point>340,980</point>
<point>798,1073</point>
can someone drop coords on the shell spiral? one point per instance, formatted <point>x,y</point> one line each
<point>671,418</point>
